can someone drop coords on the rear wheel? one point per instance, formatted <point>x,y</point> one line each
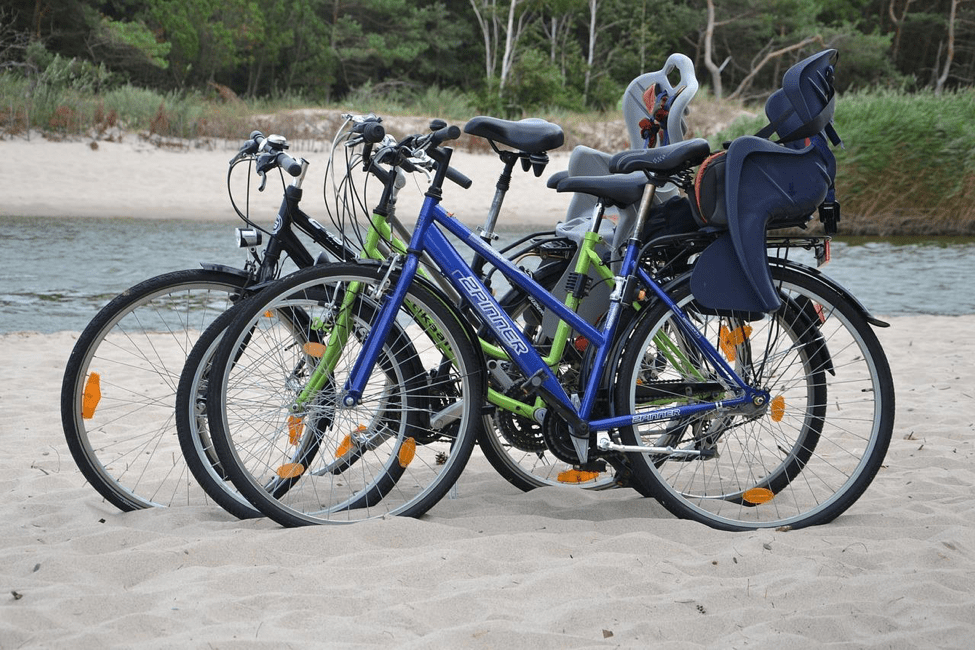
<point>800,460</point>
<point>514,443</point>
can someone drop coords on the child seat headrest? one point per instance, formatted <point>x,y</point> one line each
<point>804,105</point>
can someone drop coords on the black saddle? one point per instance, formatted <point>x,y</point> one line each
<point>665,160</point>
<point>621,190</point>
<point>531,135</point>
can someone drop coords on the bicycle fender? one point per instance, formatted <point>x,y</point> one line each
<point>223,268</point>
<point>832,284</point>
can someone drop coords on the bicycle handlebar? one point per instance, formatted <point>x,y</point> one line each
<point>417,151</point>
<point>372,132</point>
<point>270,155</point>
<point>268,161</point>
<point>439,136</point>
<point>459,178</point>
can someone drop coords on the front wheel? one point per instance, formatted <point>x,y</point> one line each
<point>801,459</point>
<point>119,387</point>
<point>280,425</point>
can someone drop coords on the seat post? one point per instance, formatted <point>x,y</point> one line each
<point>509,159</point>
<point>487,230</point>
<point>649,190</point>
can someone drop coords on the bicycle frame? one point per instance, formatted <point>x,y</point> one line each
<point>427,238</point>
<point>380,231</point>
<point>379,243</point>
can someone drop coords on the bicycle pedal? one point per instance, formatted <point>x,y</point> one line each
<point>591,466</point>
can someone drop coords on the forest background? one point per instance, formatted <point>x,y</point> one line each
<point>204,69</point>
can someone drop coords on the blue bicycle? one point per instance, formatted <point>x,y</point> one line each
<point>748,393</point>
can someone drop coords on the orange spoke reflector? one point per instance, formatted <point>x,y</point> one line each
<point>91,396</point>
<point>346,445</point>
<point>291,470</point>
<point>778,408</point>
<point>724,340</point>
<point>406,452</point>
<point>730,338</point>
<point>576,476</point>
<point>269,314</point>
<point>295,428</point>
<point>757,496</point>
<point>313,349</point>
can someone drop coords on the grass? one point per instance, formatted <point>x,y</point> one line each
<point>908,162</point>
<point>908,166</point>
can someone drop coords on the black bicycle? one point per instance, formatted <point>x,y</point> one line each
<point>119,391</point>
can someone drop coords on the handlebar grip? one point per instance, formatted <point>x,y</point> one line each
<point>250,146</point>
<point>459,178</point>
<point>442,135</point>
<point>373,132</point>
<point>289,164</point>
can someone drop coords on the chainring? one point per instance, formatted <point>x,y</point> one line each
<point>555,430</point>
<point>523,433</point>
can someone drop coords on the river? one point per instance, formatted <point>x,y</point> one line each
<point>56,273</point>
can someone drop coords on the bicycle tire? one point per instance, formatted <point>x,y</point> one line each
<point>191,418</point>
<point>192,429</point>
<point>133,350</point>
<point>811,452</point>
<point>513,444</point>
<point>403,463</point>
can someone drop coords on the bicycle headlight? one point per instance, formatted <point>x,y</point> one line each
<point>248,237</point>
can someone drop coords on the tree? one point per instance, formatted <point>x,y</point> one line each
<point>746,82</point>
<point>714,69</point>
<point>556,25</point>
<point>595,29</point>
<point>125,44</point>
<point>496,19</point>
<point>898,24</point>
<point>950,54</point>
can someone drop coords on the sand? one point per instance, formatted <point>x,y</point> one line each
<point>494,567</point>
<point>553,568</point>
<point>134,178</point>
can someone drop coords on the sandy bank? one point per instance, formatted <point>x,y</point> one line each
<point>137,179</point>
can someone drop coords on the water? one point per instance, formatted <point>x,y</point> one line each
<point>56,273</point>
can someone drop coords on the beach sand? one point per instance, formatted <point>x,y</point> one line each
<point>134,178</point>
<point>494,567</point>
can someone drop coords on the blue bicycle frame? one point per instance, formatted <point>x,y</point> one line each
<point>427,238</point>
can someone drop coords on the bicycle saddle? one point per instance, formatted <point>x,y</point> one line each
<point>531,135</point>
<point>553,181</point>
<point>620,190</point>
<point>664,160</point>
